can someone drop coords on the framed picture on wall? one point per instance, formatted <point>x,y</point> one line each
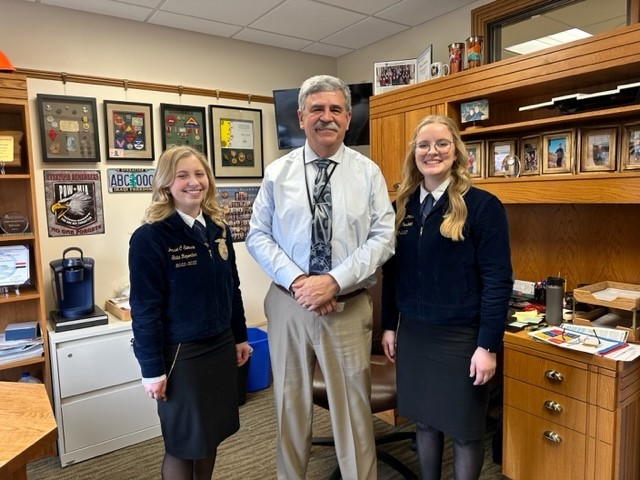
<point>475,152</point>
<point>630,147</point>
<point>68,128</point>
<point>501,158</point>
<point>598,149</point>
<point>557,152</point>
<point>184,125</point>
<point>236,142</point>
<point>530,154</point>
<point>394,74</point>
<point>129,130</point>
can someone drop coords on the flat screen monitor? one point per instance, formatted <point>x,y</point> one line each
<point>289,133</point>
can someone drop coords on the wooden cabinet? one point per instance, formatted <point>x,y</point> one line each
<point>582,225</point>
<point>17,194</point>
<point>568,414</point>
<point>100,404</point>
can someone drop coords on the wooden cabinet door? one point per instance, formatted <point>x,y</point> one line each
<point>388,144</point>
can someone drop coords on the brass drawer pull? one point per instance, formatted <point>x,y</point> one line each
<point>552,436</point>
<point>553,406</point>
<point>554,375</point>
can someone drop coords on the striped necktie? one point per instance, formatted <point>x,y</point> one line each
<point>199,231</point>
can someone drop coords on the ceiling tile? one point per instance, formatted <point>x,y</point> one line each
<point>193,24</point>
<point>306,19</point>
<point>364,33</point>
<point>105,7</point>
<point>326,50</point>
<point>368,7</point>
<point>415,12</point>
<point>142,3</point>
<point>273,39</point>
<point>237,12</point>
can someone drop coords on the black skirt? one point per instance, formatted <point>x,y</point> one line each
<point>434,386</point>
<point>202,399</point>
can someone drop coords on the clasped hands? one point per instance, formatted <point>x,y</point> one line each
<point>316,293</point>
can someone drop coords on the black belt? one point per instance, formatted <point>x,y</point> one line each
<point>339,298</point>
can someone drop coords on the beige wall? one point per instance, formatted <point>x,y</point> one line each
<point>48,38</point>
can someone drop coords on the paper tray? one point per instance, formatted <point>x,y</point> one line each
<point>585,295</point>
<point>121,313</point>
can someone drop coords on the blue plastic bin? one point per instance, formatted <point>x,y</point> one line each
<point>259,376</point>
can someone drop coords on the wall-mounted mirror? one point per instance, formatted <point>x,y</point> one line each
<point>514,28</point>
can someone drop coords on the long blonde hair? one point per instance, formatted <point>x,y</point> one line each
<point>456,213</point>
<point>162,204</point>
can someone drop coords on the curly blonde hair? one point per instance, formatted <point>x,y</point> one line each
<point>456,213</point>
<point>162,204</point>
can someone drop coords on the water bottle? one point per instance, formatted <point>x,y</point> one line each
<point>554,299</point>
<point>28,378</point>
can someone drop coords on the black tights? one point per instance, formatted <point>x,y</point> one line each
<point>468,455</point>
<point>174,468</point>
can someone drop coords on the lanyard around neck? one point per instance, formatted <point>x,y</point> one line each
<point>313,201</point>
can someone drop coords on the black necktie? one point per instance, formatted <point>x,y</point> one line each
<point>426,206</point>
<point>199,231</point>
<point>320,255</point>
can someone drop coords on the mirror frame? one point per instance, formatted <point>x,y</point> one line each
<point>483,18</point>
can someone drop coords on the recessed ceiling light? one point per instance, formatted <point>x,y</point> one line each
<point>548,41</point>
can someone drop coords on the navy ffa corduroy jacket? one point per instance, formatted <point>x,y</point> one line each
<point>434,280</point>
<point>181,289</point>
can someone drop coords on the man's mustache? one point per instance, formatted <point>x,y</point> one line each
<point>320,125</point>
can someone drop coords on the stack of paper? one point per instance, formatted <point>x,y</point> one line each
<point>14,350</point>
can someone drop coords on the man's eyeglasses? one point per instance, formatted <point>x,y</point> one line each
<point>572,338</point>
<point>441,146</point>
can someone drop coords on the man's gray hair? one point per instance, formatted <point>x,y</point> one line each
<point>323,83</point>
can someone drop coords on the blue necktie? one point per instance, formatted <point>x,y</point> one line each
<point>199,231</point>
<point>320,255</point>
<point>426,206</point>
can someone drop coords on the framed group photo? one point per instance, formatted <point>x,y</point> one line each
<point>129,130</point>
<point>184,125</point>
<point>236,142</point>
<point>530,154</point>
<point>557,152</point>
<point>475,153</point>
<point>598,149</point>
<point>630,147</point>
<point>502,158</point>
<point>390,75</point>
<point>68,128</point>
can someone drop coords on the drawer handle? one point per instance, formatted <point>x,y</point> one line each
<point>554,375</point>
<point>553,406</point>
<point>552,436</point>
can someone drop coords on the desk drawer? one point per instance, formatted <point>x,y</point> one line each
<point>530,455</point>
<point>549,406</point>
<point>94,363</point>
<point>551,375</point>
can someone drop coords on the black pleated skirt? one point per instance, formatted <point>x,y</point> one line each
<point>434,386</point>
<point>202,399</point>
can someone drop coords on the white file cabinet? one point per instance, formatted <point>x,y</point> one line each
<point>100,404</point>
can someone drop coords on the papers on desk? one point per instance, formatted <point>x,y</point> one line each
<point>588,340</point>
<point>527,318</point>
<point>14,350</point>
<point>610,294</point>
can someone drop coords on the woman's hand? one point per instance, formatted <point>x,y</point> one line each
<point>243,351</point>
<point>483,366</point>
<point>389,344</point>
<point>157,390</point>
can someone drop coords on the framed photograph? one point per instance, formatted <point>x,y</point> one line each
<point>423,65</point>
<point>598,149</point>
<point>68,128</point>
<point>475,152</point>
<point>630,148</point>
<point>530,154</point>
<point>236,142</point>
<point>502,158</point>
<point>474,111</point>
<point>129,130</point>
<point>388,76</point>
<point>557,152</point>
<point>184,125</point>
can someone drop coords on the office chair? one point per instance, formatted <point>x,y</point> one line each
<point>383,395</point>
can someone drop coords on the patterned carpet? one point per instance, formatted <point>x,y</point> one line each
<point>248,455</point>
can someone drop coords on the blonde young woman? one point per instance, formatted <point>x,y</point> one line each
<point>187,312</point>
<point>445,298</point>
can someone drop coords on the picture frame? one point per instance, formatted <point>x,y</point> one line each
<point>129,130</point>
<point>474,111</point>
<point>423,65</point>
<point>558,152</point>
<point>236,142</point>
<point>500,158</point>
<point>630,147</point>
<point>68,128</point>
<point>475,153</point>
<point>183,125</point>
<point>598,149</point>
<point>394,74</point>
<point>530,154</point>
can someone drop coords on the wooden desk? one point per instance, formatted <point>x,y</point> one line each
<point>27,427</point>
